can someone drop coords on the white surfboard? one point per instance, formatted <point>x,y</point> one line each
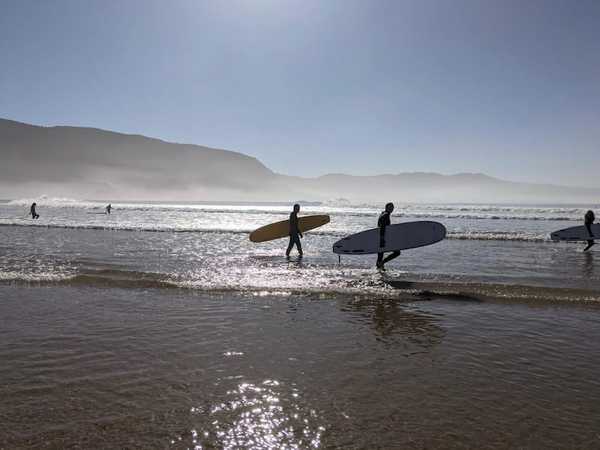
<point>579,233</point>
<point>400,236</point>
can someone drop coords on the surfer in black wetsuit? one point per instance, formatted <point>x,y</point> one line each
<point>34,214</point>
<point>295,233</point>
<point>589,220</point>
<point>108,208</point>
<point>382,223</point>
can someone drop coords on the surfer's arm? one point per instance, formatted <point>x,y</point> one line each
<point>294,228</point>
<point>384,221</point>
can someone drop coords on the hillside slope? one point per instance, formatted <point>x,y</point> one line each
<point>98,164</point>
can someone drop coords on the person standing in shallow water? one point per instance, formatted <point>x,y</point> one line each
<point>108,208</point>
<point>295,233</point>
<point>589,220</point>
<point>32,211</point>
<point>383,222</point>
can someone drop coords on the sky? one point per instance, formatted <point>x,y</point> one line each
<point>507,88</point>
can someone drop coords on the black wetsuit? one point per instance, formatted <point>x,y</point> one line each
<point>34,214</point>
<point>589,220</point>
<point>383,222</point>
<point>294,235</point>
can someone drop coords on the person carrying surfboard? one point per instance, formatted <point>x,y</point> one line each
<point>295,233</point>
<point>589,220</point>
<point>382,223</point>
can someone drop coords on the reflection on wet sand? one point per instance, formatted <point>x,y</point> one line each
<point>481,292</point>
<point>588,265</point>
<point>273,414</point>
<point>394,323</point>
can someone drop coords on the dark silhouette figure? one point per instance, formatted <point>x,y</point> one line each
<point>34,214</point>
<point>382,223</point>
<point>589,220</point>
<point>108,208</point>
<point>295,233</point>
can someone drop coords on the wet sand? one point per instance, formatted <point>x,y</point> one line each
<point>107,367</point>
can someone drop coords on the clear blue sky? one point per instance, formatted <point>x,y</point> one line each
<point>509,88</point>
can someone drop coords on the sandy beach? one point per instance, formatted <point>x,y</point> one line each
<point>105,367</point>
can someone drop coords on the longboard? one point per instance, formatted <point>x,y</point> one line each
<point>400,236</point>
<point>281,229</point>
<point>579,233</point>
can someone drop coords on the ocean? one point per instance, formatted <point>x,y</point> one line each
<point>490,249</point>
<point>162,326</point>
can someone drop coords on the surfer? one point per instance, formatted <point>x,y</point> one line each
<point>384,221</point>
<point>108,208</point>
<point>34,214</point>
<point>295,233</point>
<point>589,220</point>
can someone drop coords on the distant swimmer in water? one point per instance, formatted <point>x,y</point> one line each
<point>589,220</point>
<point>108,208</point>
<point>295,233</point>
<point>34,214</point>
<point>382,223</point>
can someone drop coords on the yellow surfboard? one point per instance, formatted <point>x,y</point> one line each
<point>281,229</point>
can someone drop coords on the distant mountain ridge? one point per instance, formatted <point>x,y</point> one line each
<point>93,163</point>
<point>106,162</point>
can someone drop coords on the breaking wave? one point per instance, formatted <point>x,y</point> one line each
<point>467,212</point>
<point>499,236</point>
<point>56,202</point>
<point>467,235</point>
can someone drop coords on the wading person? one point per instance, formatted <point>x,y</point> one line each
<point>383,222</point>
<point>34,214</point>
<point>295,233</point>
<point>589,220</point>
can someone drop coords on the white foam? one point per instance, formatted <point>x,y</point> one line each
<point>498,236</point>
<point>8,275</point>
<point>56,202</point>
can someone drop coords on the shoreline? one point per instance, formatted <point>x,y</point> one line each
<point>402,290</point>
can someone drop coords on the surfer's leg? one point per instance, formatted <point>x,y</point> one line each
<point>299,245</point>
<point>390,257</point>
<point>590,244</point>
<point>290,245</point>
<point>379,259</point>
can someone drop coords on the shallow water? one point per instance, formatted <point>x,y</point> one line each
<point>90,367</point>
